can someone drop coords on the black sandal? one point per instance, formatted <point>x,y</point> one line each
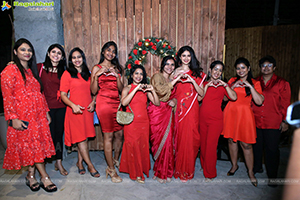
<point>34,187</point>
<point>49,187</point>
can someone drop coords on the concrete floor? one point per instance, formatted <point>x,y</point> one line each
<point>75,186</point>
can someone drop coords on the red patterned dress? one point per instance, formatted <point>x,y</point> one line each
<point>188,140</point>
<point>24,101</point>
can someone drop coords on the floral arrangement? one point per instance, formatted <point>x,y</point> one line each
<point>156,46</point>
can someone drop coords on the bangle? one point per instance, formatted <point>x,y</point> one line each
<point>226,85</point>
<point>284,121</point>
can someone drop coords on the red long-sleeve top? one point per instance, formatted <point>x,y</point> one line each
<point>277,93</point>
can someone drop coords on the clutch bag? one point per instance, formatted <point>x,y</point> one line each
<point>123,117</point>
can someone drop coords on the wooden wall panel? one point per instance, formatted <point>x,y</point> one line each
<point>281,42</point>
<point>198,23</point>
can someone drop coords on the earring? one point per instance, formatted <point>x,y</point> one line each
<point>208,74</point>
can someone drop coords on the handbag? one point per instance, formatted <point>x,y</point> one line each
<point>123,117</point>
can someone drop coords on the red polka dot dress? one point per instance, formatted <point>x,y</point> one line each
<point>23,100</point>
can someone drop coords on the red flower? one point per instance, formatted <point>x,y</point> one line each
<point>157,40</point>
<point>130,57</point>
<point>144,52</point>
<point>151,43</point>
<point>147,40</point>
<point>140,44</point>
<point>137,62</point>
<point>164,45</point>
<point>169,47</point>
<point>129,66</point>
<point>135,51</point>
<point>154,47</point>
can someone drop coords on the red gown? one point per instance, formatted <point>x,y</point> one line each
<point>211,126</point>
<point>78,127</point>
<point>135,158</point>
<point>239,122</point>
<point>188,140</point>
<point>107,103</point>
<point>25,102</point>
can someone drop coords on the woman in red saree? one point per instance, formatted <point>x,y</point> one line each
<point>163,121</point>
<point>187,91</point>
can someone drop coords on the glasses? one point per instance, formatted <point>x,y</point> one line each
<point>267,65</point>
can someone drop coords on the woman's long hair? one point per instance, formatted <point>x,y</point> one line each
<point>31,63</point>
<point>85,73</point>
<point>132,70</point>
<point>194,64</point>
<point>62,65</point>
<point>164,62</point>
<point>249,77</point>
<point>114,61</point>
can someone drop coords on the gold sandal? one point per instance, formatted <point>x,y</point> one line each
<point>115,178</point>
<point>116,163</point>
<point>139,180</point>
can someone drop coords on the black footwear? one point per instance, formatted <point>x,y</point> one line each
<point>81,171</point>
<point>34,187</point>
<point>229,173</point>
<point>95,174</point>
<point>49,188</point>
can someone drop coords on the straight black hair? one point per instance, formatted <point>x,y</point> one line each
<point>62,65</point>
<point>114,61</point>
<point>85,73</point>
<point>31,63</point>
<point>249,77</point>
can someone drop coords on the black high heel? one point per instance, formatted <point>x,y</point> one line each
<point>229,173</point>
<point>34,187</point>
<point>49,188</point>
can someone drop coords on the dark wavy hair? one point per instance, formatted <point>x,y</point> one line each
<point>31,63</point>
<point>132,70</point>
<point>249,77</point>
<point>194,63</point>
<point>164,62</point>
<point>114,61</point>
<point>85,73</point>
<point>212,65</point>
<point>62,65</point>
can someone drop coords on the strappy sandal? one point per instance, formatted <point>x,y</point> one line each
<point>50,188</point>
<point>34,187</point>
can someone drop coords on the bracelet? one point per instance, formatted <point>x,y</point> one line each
<point>284,121</point>
<point>226,85</point>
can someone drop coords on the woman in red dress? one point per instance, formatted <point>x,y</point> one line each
<point>187,91</point>
<point>239,123</point>
<point>79,114</point>
<point>50,73</point>
<point>211,115</point>
<point>107,81</point>
<point>135,158</point>
<point>163,121</point>
<point>27,145</point>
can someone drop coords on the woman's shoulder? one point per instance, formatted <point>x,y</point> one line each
<point>10,68</point>
<point>232,80</point>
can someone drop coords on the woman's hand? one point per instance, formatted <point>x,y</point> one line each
<point>91,106</point>
<point>172,103</point>
<point>77,109</point>
<point>239,83</point>
<point>101,71</point>
<point>18,124</point>
<point>48,118</point>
